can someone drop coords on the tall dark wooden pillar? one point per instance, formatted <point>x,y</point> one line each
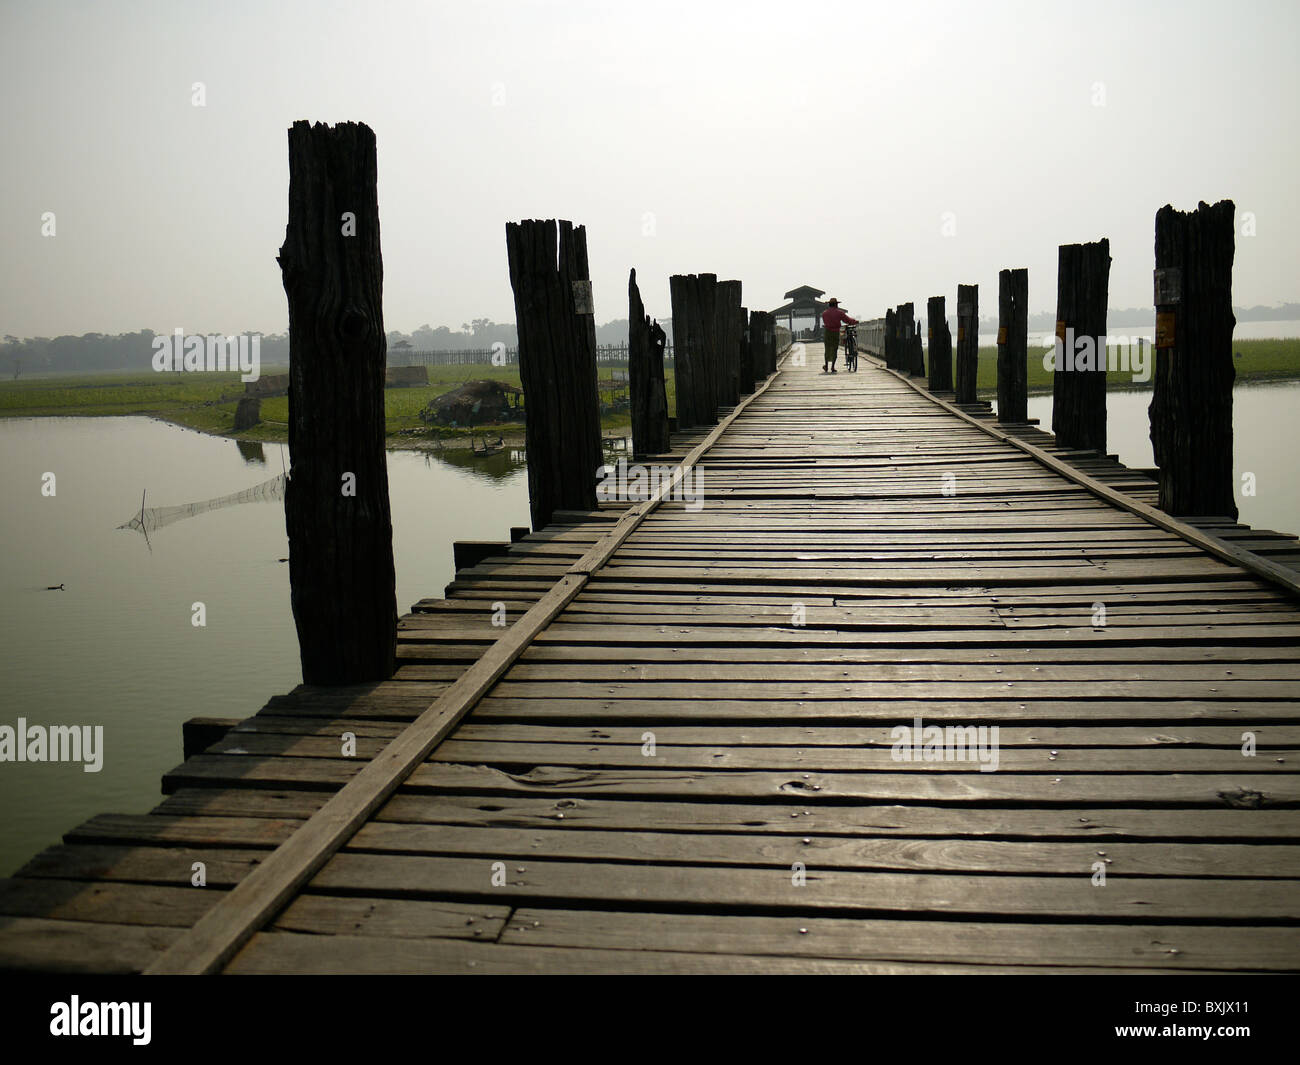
<point>687,372</point>
<point>1079,380</point>
<point>762,332</point>
<point>917,365</point>
<point>940,345</point>
<point>706,287</point>
<point>748,360</point>
<point>1191,410</point>
<point>336,511</point>
<point>907,327</point>
<point>1013,345</point>
<point>727,310</point>
<point>645,372</point>
<point>891,338</point>
<point>968,342</point>
<point>557,364</point>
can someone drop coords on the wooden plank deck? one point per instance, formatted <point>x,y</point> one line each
<point>766,645</point>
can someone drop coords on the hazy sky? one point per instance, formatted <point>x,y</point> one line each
<point>779,143</point>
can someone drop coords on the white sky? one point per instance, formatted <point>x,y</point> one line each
<point>780,143</point>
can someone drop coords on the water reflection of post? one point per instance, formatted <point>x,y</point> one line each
<point>252,452</point>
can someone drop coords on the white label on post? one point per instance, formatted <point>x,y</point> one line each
<point>1169,286</point>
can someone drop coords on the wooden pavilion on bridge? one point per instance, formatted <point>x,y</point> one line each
<point>803,304</point>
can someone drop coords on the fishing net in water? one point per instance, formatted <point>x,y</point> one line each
<point>151,518</point>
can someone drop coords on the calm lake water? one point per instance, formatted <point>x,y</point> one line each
<point>1266,442</point>
<point>117,648</point>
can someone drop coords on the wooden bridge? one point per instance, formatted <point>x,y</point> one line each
<point>681,753</point>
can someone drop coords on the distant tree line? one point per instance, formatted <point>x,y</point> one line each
<point>483,333</point>
<point>101,353</point>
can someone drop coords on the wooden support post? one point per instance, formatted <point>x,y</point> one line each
<point>757,333</point>
<point>200,733</point>
<point>1191,409</point>
<point>917,367</point>
<point>707,287</point>
<point>645,372</point>
<point>1013,345</point>
<point>465,554</point>
<point>940,337</point>
<point>748,362</point>
<point>891,339</point>
<point>336,511</point>
<point>907,326</point>
<point>1079,377</point>
<point>968,342</point>
<point>686,344</point>
<point>557,364</point>
<point>762,333</point>
<point>727,309</point>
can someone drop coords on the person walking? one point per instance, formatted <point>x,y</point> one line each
<point>832,319</point>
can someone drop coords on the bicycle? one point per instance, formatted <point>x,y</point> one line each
<point>851,348</point>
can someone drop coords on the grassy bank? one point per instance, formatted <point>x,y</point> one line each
<point>207,401</point>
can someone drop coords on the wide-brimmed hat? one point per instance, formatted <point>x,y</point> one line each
<point>833,302</point>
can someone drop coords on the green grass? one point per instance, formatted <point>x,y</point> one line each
<point>207,401</point>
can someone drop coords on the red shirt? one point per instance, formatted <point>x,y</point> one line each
<point>833,316</point>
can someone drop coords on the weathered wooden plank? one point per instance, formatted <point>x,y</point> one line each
<point>105,902</point>
<point>777,888</point>
<point>1175,947</point>
<point>283,952</point>
<point>1063,823</point>
<point>603,710</point>
<point>1267,737</point>
<point>49,945</point>
<point>557,840</point>
<point>334,915</point>
<point>1038,757</point>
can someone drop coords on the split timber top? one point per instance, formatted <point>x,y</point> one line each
<point>517,821</point>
